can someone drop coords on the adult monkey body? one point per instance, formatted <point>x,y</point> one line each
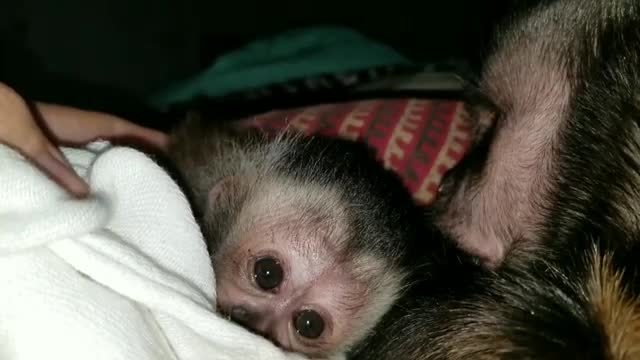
<point>563,85</point>
<point>549,200</point>
<point>311,239</point>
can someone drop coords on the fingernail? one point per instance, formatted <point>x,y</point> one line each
<point>81,194</point>
<point>80,189</point>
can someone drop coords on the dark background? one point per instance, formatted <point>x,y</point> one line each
<point>109,54</point>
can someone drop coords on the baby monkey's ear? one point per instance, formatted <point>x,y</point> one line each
<point>224,193</point>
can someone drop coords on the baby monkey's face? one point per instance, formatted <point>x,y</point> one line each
<point>283,275</point>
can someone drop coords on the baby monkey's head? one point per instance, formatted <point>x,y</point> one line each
<point>288,270</point>
<point>310,238</point>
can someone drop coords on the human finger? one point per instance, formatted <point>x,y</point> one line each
<point>50,160</point>
<point>53,163</point>
<point>20,130</point>
<point>75,127</point>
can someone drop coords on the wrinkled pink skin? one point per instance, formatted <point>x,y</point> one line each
<point>506,202</point>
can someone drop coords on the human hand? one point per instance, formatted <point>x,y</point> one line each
<point>35,133</point>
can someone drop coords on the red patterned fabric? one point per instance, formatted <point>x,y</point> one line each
<point>417,138</point>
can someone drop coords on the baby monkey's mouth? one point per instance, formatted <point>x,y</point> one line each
<point>227,316</point>
<point>240,320</point>
<point>245,323</point>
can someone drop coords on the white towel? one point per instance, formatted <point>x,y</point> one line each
<point>123,274</point>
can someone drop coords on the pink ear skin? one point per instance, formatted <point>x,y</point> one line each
<point>223,191</point>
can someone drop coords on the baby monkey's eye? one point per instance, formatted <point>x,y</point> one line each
<point>268,273</point>
<point>309,324</point>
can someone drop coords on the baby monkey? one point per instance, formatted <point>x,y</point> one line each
<point>310,238</point>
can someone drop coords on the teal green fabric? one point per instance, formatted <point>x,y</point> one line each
<point>287,56</point>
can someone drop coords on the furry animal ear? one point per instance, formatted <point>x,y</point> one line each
<point>224,191</point>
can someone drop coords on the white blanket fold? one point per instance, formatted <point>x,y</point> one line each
<point>123,274</point>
